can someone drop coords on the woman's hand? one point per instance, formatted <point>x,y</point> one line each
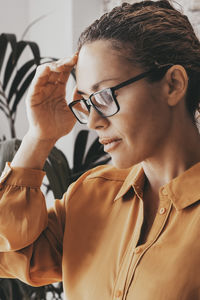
<point>48,113</point>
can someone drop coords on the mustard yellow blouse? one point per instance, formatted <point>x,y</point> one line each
<point>89,239</point>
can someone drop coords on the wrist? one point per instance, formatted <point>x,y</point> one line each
<point>33,152</point>
<point>40,140</point>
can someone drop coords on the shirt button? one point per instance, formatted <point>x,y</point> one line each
<point>164,192</point>
<point>162,210</point>
<point>118,294</point>
<point>137,250</point>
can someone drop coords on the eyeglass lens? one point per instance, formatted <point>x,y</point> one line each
<point>81,111</point>
<point>103,102</point>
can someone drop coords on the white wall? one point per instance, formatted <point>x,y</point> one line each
<point>13,16</point>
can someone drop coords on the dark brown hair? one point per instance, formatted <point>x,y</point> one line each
<point>152,34</point>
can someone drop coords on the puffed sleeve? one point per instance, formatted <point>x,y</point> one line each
<point>30,236</point>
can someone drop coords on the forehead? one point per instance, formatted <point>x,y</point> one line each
<point>98,61</point>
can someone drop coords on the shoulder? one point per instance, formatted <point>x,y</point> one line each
<point>102,179</point>
<point>108,172</point>
<point>104,173</point>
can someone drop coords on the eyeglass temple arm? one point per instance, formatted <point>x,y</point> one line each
<point>140,76</point>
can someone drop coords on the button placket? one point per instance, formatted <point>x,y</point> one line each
<point>160,223</point>
<point>164,201</point>
<point>120,284</point>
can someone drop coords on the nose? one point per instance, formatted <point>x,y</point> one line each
<point>96,121</point>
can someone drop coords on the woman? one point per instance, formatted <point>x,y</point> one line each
<point>128,231</point>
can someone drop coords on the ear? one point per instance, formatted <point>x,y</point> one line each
<point>177,81</point>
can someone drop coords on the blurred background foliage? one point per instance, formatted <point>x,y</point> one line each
<point>16,75</point>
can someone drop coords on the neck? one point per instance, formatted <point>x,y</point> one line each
<point>178,152</point>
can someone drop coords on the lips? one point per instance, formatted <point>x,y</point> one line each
<point>106,141</point>
<point>109,143</point>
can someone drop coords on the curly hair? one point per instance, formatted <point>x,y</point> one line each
<point>152,34</point>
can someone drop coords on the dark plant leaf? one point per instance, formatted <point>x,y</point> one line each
<point>2,94</point>
<point>6,38</point>
<point>76,175</point>
<point>53,179</point>
<point>7,151</point>
<point>4,111</point>
<point>3,138</point>
<point>100,163</point>
<point>60,157</point>
<point>35,50</point>
<point>48,188</point>
<point>3,47</point>
<point>21,91</point>
<point>95,152</point>
<point>73,74</point>
<point>47,59</point>
<point>12,62</point>
<point>58,172</point>
<point>63,167</point>
<point>5,289</point>
<point>98,160</point>
<point>2,103</point>
<point>20,75</point>
<point>79,149</point>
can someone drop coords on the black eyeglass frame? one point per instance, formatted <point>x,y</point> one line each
<point>88,102</point>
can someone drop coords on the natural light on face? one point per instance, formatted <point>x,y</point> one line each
<point>139,128</point>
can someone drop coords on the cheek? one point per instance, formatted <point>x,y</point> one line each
<point>131,117</point>
<point>144,115</point>
<point>142,123</point>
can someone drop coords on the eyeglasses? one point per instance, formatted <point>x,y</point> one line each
<point>104,101</point>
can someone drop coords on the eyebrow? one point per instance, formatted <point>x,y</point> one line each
<point>95,87</point>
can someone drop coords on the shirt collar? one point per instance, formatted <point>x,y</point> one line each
<point>184,190</point>
<point>135,180</point>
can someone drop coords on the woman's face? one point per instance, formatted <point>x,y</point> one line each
<point>140,128</point>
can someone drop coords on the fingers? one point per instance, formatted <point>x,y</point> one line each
<point>41,76</point>
<point>54,72</point>
<point>51,78</point>
<point>64,64</point>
